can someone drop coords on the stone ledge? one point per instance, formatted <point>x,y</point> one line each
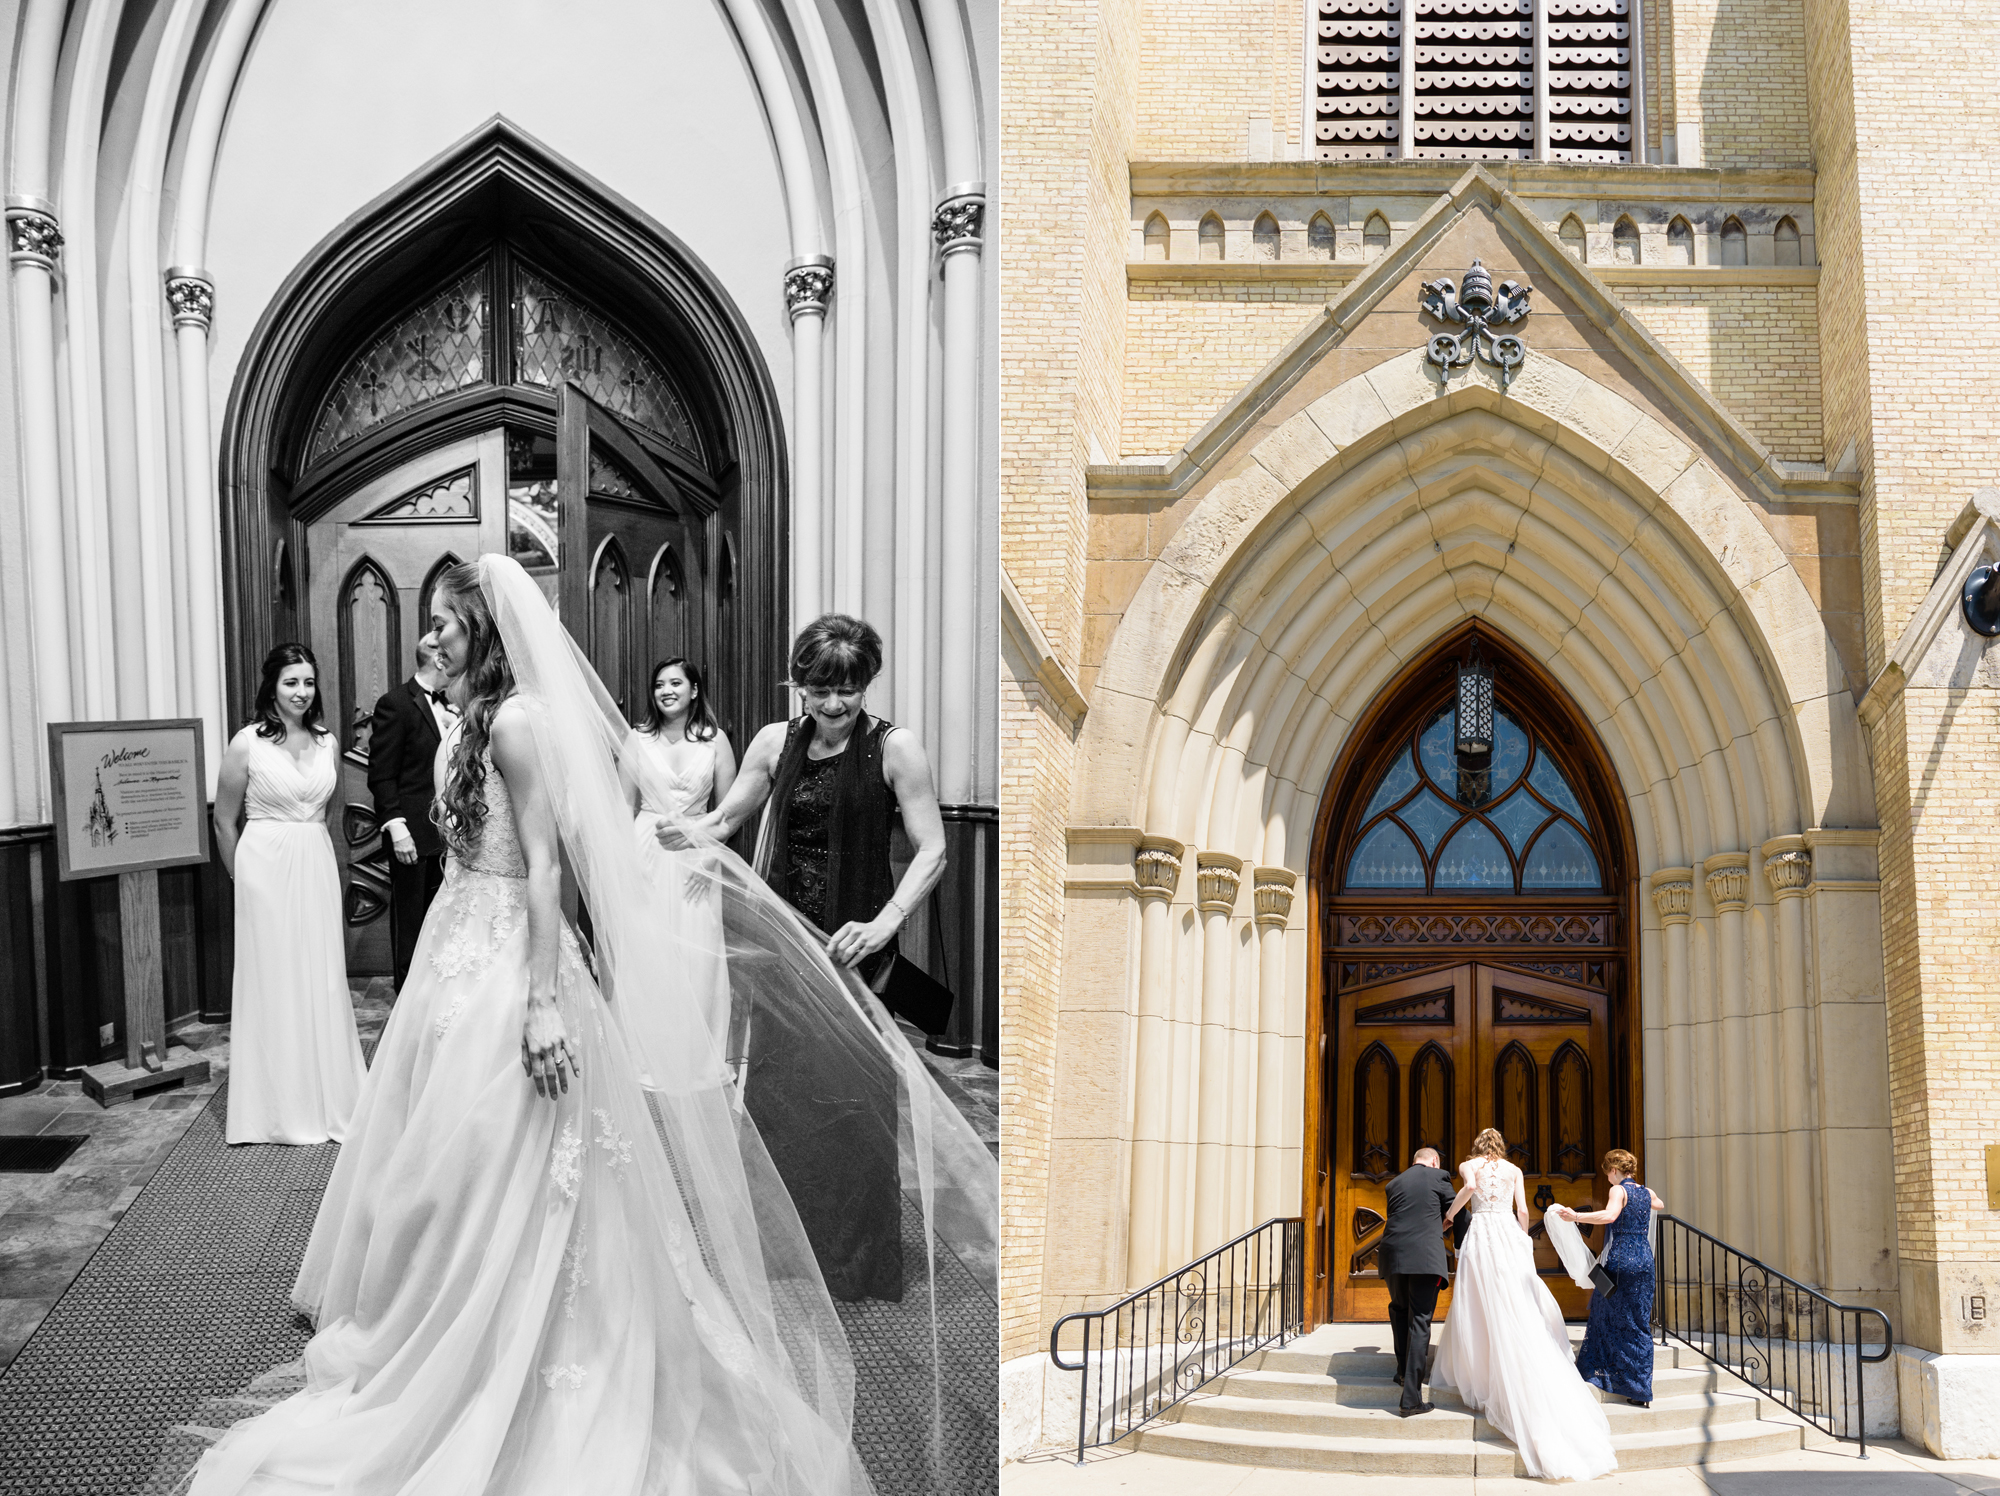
<point>1949,1404</point>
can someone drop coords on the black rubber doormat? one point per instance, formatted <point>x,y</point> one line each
<point>41,1154</point>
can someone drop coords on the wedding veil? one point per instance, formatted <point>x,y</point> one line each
<point>926,1363</point>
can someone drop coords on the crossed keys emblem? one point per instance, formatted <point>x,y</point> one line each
<point>1474,304</point>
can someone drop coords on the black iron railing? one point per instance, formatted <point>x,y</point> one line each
<point>1152,1348</point>
<point>1792,1343</point>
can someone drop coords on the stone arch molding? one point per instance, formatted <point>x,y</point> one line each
<point>1332,548</point>
<point>1338,543</point>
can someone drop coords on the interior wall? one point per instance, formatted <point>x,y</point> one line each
<point>651,99</point>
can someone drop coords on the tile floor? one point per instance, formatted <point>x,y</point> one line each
<point>51,1223</point>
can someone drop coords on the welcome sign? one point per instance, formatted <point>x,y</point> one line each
<point>128,795</point>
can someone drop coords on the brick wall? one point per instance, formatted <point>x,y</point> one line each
<point>1756,348</point>
<point>1192,345</point>
<point>1070,70</point>
<point>1738,70</point>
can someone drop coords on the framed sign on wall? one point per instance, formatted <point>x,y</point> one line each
<point>129,796</point>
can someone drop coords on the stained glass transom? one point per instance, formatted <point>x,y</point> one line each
<point>556,337</point>
<point>1514,824</point>
<point>436,350</point>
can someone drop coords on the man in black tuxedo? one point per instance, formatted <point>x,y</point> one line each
<point>1411,1261</point>
<point>410,722</point>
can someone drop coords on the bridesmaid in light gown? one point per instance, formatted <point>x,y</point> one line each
<point>295,1065</point>
<point>677,763</point>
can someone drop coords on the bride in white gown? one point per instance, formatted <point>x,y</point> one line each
<point>1504,1349</point>
<point>587,1279</point>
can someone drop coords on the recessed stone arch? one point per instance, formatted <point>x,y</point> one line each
<point>1326,550</point>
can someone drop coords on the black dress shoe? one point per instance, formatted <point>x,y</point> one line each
<point>1640,1402</point>
<point>1419,1408</point>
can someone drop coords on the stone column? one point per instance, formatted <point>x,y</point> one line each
<point>1275,889</point>
<point>1673,898</point>
<point>1788,867</point>
<point>808,290</point>
<point>1217,877</point>
<point>34,244</point>
<point>191,299</point>
<point>1157,870</point>
<point>957,227</point>
<point>1727,875</point>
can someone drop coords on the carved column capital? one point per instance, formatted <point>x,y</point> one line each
<point>1156,866</point>
<point>1673,894</point>
<point>191,298</point>
<point>959,224</point>
<point>1217,877</point>
<point>1275,887</point>
<point>33,235</point>
<point>1728,877</point>
<point>808,286</point>
<point>1790,872</point>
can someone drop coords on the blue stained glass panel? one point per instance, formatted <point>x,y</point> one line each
<point>1517,817</point>
<point>1560,859</point>
<point>1547,778</point>
<point>1474,858</point>
<point>1439,754</point>
<point>1400,779</point>
<point>1510,753</point>
<point>1430,818</point>
<point>1386,858</point>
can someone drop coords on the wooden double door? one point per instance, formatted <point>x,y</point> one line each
<point>1428,1059</point>
<point>625,552</point>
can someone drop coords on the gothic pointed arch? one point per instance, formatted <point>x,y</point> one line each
<point>510,270</point>
<point>1376,1155</point>
<point>443,564</point>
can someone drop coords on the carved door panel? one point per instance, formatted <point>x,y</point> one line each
<point>372,559</point>
<point>1400,1053</point>
<point>638,589</point>
<point>1543,1069</point>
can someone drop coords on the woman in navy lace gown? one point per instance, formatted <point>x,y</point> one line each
<point>1617,1352</point>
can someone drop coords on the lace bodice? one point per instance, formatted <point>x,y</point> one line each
<point>1637,1216</point>
<point>498,849</point>
<point>281,788</point>
<point>1492,1181</point>
<point>686,792</point>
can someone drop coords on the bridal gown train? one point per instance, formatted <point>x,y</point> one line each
<point>1504,1349</point>
<point>509,1294</point>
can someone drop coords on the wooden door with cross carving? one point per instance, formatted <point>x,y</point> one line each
<point>1440,1054</point>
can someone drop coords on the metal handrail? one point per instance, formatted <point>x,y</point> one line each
<point>1154,1347</point>
<point>1763,1326</point>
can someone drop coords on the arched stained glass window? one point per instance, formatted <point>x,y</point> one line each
<point>447,342</point>
<point>1442,823</point>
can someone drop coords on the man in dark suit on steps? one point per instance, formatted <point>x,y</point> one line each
<point>1411,1261</point>
<point>410,722</point>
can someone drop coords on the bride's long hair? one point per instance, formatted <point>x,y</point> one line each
<point>1489,1144</point>
<point>488,680</point>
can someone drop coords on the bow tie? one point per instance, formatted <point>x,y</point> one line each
<point>440,698</point>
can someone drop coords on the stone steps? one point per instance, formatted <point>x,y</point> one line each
<point>1320,1404</point>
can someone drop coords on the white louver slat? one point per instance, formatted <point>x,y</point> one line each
<point>1457,79</point>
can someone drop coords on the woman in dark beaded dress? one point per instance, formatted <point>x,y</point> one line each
<point>833,784</point>
<point>1617,1352</point>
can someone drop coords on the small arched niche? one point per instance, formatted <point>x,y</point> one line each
<point>1572,238</point>
<point>1264,238</point>
<point>1625,242</point>
<point>1211,237</point>
<point>1785,248</point>
<point>1159,239</point>
<point>1735,242</point>
<point>1320,238</point>
<point>1374,237</point>
<point>1680,242</point>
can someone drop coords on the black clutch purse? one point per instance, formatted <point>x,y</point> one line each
<point>1602,1281</point>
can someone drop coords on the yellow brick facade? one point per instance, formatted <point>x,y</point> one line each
<point>1850,369</point>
